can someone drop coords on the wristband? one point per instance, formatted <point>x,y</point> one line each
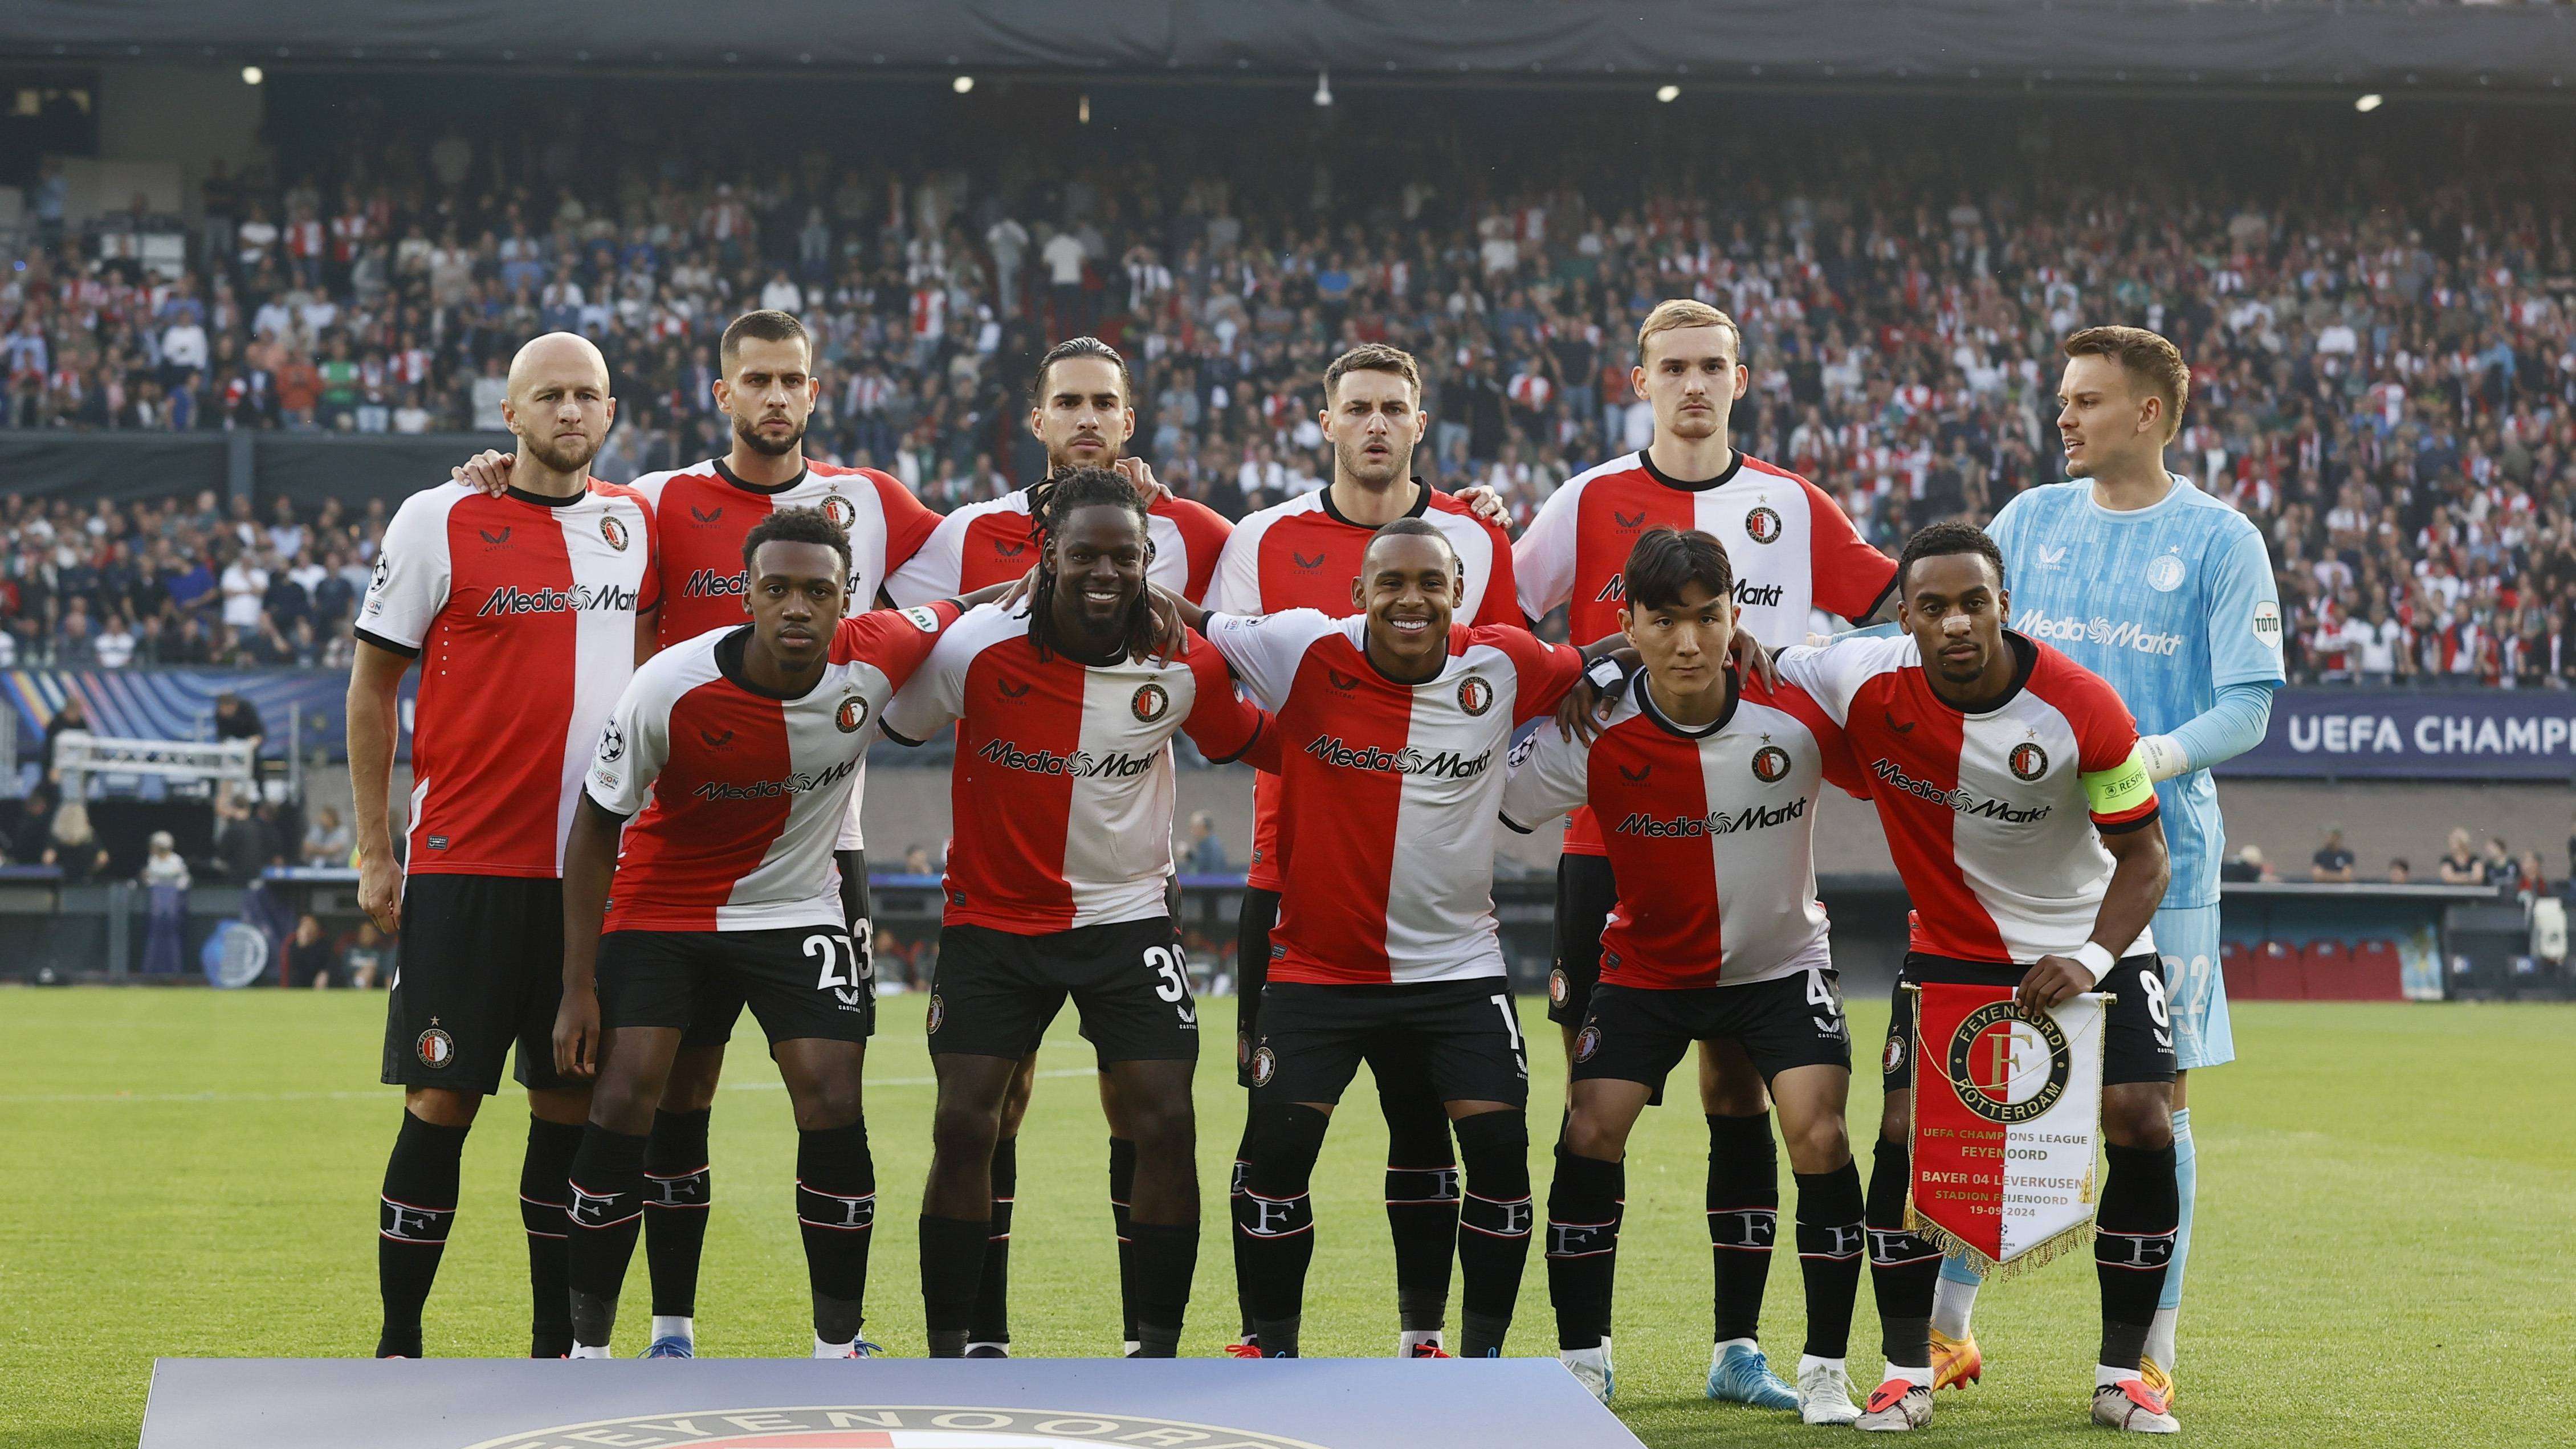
<point>2095,957</point>
<point>2163,757</point>
<point>1605,681</point>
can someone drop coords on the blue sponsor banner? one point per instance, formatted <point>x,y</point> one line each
<point>179,704</point>
<point>2416,734</point>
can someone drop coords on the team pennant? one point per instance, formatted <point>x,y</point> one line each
<point>2007,1124</point>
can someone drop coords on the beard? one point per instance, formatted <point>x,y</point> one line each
<point>563,457</point>
<point>1354,463</point>
<point>1063,462</point>
<point>752,439</point>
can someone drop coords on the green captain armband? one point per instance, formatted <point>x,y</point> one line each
<point>2124,789</point>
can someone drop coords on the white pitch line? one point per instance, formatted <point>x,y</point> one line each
<point>381,1093</point>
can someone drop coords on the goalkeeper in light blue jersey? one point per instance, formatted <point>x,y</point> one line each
<point>2166,592</point>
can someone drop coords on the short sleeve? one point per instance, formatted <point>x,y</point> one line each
<point>1501,603</point>
<point>909,522</point>
<point>1204,535</point>
<point>1822,674</point>
<point>2244,614</point>
<point>1833,748</point>
<point>649,597</point>
<point>1550,776</point>
<point>1264,650</point>
<point>1850,576</point>
<point>1543,671</point>
<point>412,577</point>
<point>1236,586</point>
<point>933,698</point>
<point>896,641</point>
<point>1223,724</point>
<point>632,746</point>
<point>1543,559</point>
<point>935,570</point>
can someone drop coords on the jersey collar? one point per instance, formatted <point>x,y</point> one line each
<point>765,490</point>
<point>1421,503</point>
<point>1734,465</point>
<point>1646,705</point>
<point>542,500</point>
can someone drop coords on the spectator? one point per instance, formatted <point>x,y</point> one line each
<point>2247,866</point>
<point>2400,871</point>
<point>364,962</point>
<point>2500,869</point>
<point>2459,864</point>
<point>1205,854</point>
<point>238,719</point>
<point>326,840</point>
<point>74,846</point>
<point>2531,879</point>
<point>72,718</point>
<point>163,865</point>
<point>916,861</point>
<point>241,843</point>
<point>34,833</point>
<point>307,958</point>
<point>2332,863</point>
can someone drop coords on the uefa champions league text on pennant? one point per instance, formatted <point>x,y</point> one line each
<point>2007,1124</point>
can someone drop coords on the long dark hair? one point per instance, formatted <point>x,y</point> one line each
<point>1051,504</point>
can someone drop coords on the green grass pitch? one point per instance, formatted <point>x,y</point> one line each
<point>2383,1254</point>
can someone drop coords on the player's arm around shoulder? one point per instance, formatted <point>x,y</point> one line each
<point>1548,774</point>
<point>1223,724</point>
<point>1264,650</point>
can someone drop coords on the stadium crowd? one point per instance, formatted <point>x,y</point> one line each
<point>2384,362</point>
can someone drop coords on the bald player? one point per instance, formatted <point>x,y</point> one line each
<point>522,610</point>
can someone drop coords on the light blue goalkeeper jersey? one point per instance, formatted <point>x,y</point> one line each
<point>2170,604</point>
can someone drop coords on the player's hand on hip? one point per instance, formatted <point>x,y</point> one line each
<point>577,1034</point>
<point>380,892</point>
<point>1487,504</point>
<point>1751,660</point>
<point>1140,476</point>
<point>488,470</point>
<point>2052,980</point>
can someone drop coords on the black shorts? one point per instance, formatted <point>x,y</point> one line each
<point>2138,1039</point>
<point>481,967</point>
<point>1251,970</point>
<point>799,981</point>
<point>1585,892</point>
<point>1637,1035</point>
<point>1465,1034</point>
<point>993,993</point>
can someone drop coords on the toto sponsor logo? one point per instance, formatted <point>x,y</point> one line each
<point>890,1426</point>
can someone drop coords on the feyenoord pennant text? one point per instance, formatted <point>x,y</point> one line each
<point>2007,1124</point>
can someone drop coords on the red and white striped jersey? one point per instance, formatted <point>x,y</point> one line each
<point>1303,554</point>
<point>993,542</point>
<point>705,512</point>
<point>742,793</point>
<point>521,610</point>
<point>1711,830</point>
<point>1388,792</point>
<point>1995,819</point>
<point>1793,550</point>
<point>1062,792</point>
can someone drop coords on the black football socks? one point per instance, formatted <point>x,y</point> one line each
<point>991,1320</point>
<point>607,1186</point>
<point>678,1192</point>
<point>952,1264</point>
<point>542,1204</point>
<point>1421,1209</point>
<point>1583,1246</point>
<point>418,1207</point>
<point>2133,1247</point>
<point>836,1214</point>
<point>1903,1268</point>
<point>1166,1256</point>
<point>1743,1220</point>
<point>1494,1224</point>
<point>1830,1241</point>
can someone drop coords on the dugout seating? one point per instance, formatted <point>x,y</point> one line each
<point>2322,970</point>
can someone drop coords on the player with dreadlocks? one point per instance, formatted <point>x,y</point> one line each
<point>1065,705</point>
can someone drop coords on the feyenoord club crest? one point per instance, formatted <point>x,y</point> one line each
<point>1557,989</point>
<point>852,714</point>
<point>614,532</point>
<point>1475,696</point>
<point>612,743</point>
<point>1770,764</point>
<point>1586,1042</point>
<point>1762,525</point>
<point>2006,1123</point>
<point>2028,761</point>
<point>436,1048</point>
<point>875,1426</point>
<point>1264,1066</point>
<point>2164,573</point>
<point>1893,1058</point>
<point>839,509</point>
<point>938,1012</point>
<point>1150,703</point>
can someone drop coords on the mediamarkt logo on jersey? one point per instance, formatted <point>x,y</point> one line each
<point>1751,817</point>
<point>1891,773</point>
<point>796,784</point>
<point>511,599</point>
<point>1748,594</point>
<point>2110,634</point>
<point>1446,765</point>
<point>1081,764</point>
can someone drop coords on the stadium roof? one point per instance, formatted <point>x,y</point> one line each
<point>1977,42</point>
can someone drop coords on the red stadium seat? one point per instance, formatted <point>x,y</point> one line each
<point>2277,972</point>
<point>2376,971</point>
<point>2329,971</point>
